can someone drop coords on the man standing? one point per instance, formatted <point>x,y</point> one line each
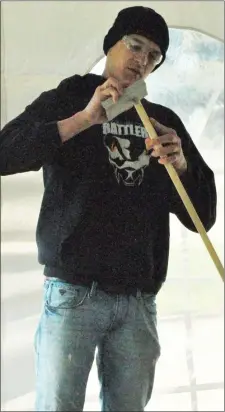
<point>103,229</point>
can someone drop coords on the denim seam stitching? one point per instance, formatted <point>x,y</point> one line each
<point>115,314</point>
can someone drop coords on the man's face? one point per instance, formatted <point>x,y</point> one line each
<point>132,58</point>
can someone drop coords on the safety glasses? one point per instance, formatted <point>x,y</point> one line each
<point>137,47</point>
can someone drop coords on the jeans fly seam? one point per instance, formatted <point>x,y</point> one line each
<point>115,314</point>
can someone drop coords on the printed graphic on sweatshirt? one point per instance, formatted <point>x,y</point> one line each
<point>127,154</point>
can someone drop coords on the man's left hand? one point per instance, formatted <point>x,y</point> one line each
<point>167,147</point>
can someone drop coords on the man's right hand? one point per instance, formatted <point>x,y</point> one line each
<point>93,113</point>
<point>94,110</point>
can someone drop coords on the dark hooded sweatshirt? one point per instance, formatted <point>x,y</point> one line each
<point>106,204</point>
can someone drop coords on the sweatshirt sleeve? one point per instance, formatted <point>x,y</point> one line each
<point>198,181</point>
<point>32,139</point>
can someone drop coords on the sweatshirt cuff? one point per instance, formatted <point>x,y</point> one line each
<point>187,177</point>
<point>49,136</point>
<point>191,179</point>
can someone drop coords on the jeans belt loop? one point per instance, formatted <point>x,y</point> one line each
<point>93,288</point>
<point>139,294</point>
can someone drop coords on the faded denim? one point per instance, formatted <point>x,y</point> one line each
<point>75,321</point>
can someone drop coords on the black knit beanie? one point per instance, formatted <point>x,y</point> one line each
<point>139,20</point>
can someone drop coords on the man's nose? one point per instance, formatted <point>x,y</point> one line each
<point>142,59</point>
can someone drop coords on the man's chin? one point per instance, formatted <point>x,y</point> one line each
<point>130,77</point>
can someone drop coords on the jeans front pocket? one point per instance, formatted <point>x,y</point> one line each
<point>149,302</point>
<point>149,312</point>
<point>61,295</point>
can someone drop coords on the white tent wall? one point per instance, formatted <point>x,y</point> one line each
<point>42,42</point>
<point>45,41</point>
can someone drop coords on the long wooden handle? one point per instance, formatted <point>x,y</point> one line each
<point>183,194</point>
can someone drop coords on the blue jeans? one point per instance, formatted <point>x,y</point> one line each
<point>75,321</point>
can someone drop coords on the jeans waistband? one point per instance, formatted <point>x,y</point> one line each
<point>115,289</point>
<point>110,289</point>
